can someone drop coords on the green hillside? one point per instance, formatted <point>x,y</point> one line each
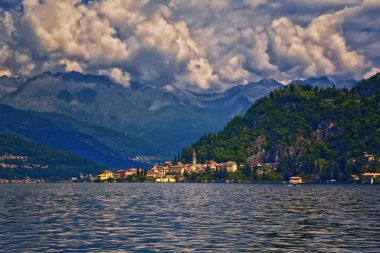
<point>41,162</point>
<point>316,133</point>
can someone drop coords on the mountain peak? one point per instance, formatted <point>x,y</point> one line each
<point>321,81</point>
<point>269,81</point>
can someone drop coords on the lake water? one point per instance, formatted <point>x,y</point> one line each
<point>189,217</point>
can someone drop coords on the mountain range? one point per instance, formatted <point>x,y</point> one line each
<point>58,131</point>
<point>93,117</point>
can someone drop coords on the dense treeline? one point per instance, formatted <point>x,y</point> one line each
<point>312,132</point>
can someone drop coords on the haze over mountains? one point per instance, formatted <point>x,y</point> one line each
<point>91,116</point>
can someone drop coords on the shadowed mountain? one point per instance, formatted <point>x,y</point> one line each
<point>9,84</point>
<point>105,146</point>
<point>167,119</point>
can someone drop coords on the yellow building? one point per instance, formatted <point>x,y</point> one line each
<point>105,175</point>
<point>231,166</point>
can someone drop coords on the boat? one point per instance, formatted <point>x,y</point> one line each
<point>295,180</point>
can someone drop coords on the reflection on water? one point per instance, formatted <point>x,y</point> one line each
<point>189,217</point>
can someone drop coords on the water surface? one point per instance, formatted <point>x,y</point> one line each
<point>189,218</point>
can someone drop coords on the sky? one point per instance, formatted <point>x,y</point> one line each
<point>200,44</point>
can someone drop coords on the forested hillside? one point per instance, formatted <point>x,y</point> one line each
<point>40,162</point>
<point>313,132</point>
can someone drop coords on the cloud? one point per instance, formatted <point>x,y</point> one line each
<point>234,70</point>
<point>372,72</point>
<point>4,55</point>
<point>318,49</point>
<point>74,30</point>
<point>210,44</point>
<point>117,75</point>
<point>255,3</point>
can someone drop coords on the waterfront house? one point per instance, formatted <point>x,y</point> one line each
<point>295,180</point>
<point>355,177</point>
<point>167,179</point>
<point>174,170</point>
<point>105,175</point>
<point>231,166</point>
<point>151,174</point>
<point>370,178</point>
<point>212,165</point>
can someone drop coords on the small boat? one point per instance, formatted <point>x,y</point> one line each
<point>295,180</point>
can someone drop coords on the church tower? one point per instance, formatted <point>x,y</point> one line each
<point>194,157</point>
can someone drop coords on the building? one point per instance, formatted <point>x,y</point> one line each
<point>295,180</point>
<point>174,170</point>
<point>166,179</point>
<point>151,174</point>
<point>231,166</point>
<point>368,158</point>
<point>355,177</point>
<point>370,178</point>
<point>194,157</point>
<point>123,174</point>
<point>105,175</point>
<point>212,165</point>
<point>264,166</point>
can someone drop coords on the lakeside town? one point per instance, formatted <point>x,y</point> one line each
<point>169,172</point>
<point>175,171</point>
<point>4,162</point>
<point>230,171</point>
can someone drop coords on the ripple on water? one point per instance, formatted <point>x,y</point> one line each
<point>189,217</point>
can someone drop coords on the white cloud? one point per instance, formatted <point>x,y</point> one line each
<point>111,34</point>
<point>318,49</point>
<point>201,73</point>
<point>234,71</point>
<point>24,62</point>
<point>74,30</point>
<point>70,65</point>
<point>117,75</point>
<point>372,72</point>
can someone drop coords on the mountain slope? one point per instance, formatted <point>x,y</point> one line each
<point>42,162</point>
<point>61,132</point>
<point>9,84</point>
<point>368,87</point>
<point>167,119</point>
<point>307,130</point>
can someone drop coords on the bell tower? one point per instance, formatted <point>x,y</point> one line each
<point>194,157</point>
